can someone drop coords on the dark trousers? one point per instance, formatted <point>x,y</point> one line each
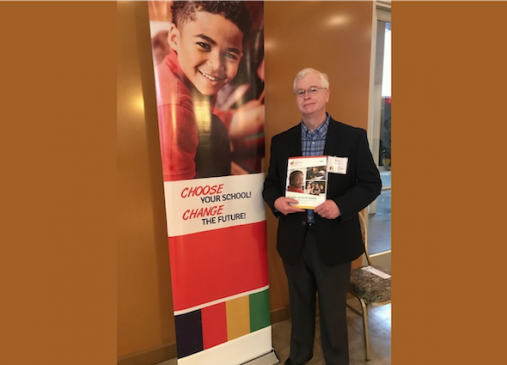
<point>306,278</point>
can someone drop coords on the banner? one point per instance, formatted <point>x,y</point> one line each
<point>209,72</point>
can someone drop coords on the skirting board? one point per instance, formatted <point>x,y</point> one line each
<point>166,352</point>
<point>150,357</point>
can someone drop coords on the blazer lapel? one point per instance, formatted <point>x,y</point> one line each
<point>294,145</point>
<point>333,138</point>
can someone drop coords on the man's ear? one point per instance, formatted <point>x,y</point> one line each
<point>174,37</point>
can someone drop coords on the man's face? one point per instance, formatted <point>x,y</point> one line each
<point>311,104</point>
<point>209,51</point>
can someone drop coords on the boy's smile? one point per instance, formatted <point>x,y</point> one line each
<point>209,50</point>
<point>210,77</point>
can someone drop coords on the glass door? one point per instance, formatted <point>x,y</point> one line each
<point>379,217</point>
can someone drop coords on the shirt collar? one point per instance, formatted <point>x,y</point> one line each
<point>321,130</point>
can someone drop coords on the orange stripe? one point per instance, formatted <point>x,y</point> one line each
<point>238,317</point>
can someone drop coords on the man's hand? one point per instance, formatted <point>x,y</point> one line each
<point>282,204</point>
<point>328,210</point>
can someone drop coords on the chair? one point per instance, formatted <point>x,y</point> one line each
<point>368,288</point>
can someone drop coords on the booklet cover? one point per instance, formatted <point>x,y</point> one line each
<point>307,180</point>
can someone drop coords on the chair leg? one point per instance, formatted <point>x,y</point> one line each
<point>364,309</point>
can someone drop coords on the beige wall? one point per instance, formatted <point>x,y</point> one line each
<point>332,36</point>
<point>145,319</point>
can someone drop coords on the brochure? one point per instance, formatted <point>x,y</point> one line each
<point>306,181</point>
<point>307,178</point>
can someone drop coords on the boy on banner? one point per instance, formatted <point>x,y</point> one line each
<point>206,40</point>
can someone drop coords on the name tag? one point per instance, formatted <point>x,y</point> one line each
<point>337,165</point>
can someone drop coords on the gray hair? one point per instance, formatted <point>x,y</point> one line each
<point>323,77</point>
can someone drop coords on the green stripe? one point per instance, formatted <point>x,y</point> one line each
<point>259,310</point>
<point>255,136</point>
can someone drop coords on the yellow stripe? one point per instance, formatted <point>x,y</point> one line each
<point>238,317</point>
<point>303,207</point>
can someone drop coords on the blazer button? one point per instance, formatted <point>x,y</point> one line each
<point>303,223</point>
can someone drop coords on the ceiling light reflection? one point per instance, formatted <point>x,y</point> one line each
<point>138,104</point>
<point>338,20</point>
<point>269,44</point>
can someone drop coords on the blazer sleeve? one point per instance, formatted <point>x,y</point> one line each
<point>368,184</point>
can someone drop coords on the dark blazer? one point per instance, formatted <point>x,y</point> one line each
<point>338,240</point>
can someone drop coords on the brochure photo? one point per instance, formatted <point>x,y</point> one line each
<point>306,180</point>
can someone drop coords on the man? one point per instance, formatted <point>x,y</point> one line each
<point>317,246</point>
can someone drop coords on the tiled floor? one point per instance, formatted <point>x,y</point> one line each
<point>380,338</point>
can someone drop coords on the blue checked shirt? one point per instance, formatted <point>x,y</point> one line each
<point>312,144</point>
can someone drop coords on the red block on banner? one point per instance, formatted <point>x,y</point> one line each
<point>214,325</point>
<point>213,265</point>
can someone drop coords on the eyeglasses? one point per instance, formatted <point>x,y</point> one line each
<point>300,93</point>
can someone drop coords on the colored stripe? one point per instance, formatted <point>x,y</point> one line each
<point>238,351</point>
<point>226,321</point>
<point>214,325</point>
<point>209,266</point>
<point>304,206</point>
<point>238,317</point>
<point>209,304</point>
<point>188,333</point>
<point>259,311</point>
<point>255,136</point>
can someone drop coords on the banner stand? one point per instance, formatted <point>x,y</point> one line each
<point>213,178</point>
<point>268,359</point>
